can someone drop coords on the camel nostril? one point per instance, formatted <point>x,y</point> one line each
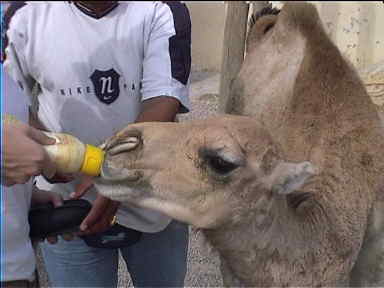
<point>125,145</point>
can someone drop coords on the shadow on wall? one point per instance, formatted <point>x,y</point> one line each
<point>208,21</point>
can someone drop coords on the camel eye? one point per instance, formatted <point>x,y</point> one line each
<point>268,27</point>
<point>220,161</point>
<point>220,165</point>
<point>296,199</point>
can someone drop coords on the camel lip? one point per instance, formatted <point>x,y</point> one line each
<point>122,145</point>
<point>108,174</point>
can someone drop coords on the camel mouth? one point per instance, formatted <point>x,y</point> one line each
<point>112,175</point>
<point>112,172</point>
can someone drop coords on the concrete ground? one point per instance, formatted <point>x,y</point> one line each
<point>203,262</point>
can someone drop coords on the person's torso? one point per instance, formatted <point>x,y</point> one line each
<point>90,73</point>
<point>89,69</point>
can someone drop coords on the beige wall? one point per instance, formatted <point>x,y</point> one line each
<point>208,20</point>
<point>356,27</point>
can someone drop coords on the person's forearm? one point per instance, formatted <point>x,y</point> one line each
<point>162,108</point>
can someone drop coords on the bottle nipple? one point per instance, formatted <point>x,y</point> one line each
<point>93,159</point>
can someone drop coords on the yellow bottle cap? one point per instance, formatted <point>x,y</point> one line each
<point>93,159</point>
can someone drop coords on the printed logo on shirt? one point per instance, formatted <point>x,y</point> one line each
<point>106,85</point>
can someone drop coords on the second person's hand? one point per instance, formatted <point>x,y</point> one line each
<point>102,213</point>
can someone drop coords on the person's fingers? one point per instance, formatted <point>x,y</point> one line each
<point>56,200</point>
<point>52,239</point>
<point>103,222</point>
<point>98,227</point>
<point>99,208</point>
<point>102,225</point>
<point>82,187</point>
<point>40,137</point>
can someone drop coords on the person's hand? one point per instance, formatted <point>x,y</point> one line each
<point>43,197</point>
<point>23,153</point>
<point>102,213</point>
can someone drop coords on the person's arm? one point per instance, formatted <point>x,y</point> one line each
<point>15,43</point>
<point>17,63</point>
<point>166,69</point>
<point>162,108</point>
<point>23,154</point>
<point>22,151</point>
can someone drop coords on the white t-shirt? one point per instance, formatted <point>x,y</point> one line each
<point>94,73</point>
<point>18,263</point>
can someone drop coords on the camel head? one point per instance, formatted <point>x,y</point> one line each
<point>205,173</point>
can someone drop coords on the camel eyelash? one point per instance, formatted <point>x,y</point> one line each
<point>263,12</point>
<point>216,161</point>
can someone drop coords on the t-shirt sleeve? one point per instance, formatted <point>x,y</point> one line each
<point>167,54</point>
<point>14,45</point>
<point>14,101</point>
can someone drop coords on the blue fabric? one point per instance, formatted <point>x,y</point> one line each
<point>157,260</point>
<point>180,44</point>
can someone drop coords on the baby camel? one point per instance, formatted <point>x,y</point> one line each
<point>288,191</point>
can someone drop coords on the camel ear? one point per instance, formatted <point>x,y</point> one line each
<point>288,177</point>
